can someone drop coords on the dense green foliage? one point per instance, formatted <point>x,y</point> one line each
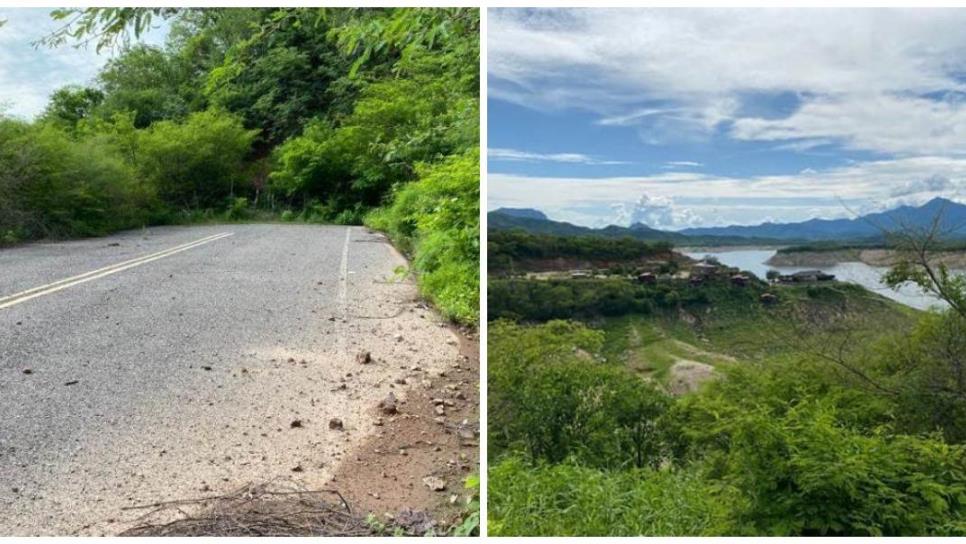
<point>437,220</point>
<point>316,114</point>
<point>507,248</point>
<point>780,446</point>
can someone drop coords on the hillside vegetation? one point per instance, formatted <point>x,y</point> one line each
<point>324,115</point>
<point>827,410</point>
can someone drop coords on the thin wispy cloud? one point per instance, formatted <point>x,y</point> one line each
<point>882,80</point>
<point>682,164</point>
<point>526,156</point>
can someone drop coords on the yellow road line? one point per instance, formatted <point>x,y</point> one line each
<point>23,296</point>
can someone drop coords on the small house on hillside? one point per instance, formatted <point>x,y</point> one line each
<point>768,298</point>
<point>580,274</point>
<point>739,280</point>
<point>647,278</point>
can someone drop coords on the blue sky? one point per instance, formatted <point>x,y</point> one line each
<point>28,74</point>
<point>680,118</point>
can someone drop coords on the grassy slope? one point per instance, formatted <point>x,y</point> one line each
<point>731,329</point>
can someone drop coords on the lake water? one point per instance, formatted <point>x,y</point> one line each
<point>753,260</point>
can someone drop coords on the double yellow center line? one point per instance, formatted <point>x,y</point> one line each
<point>23,296</point>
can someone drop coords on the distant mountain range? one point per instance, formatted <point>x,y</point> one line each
<point>953,215</point>
<point>953,220</point>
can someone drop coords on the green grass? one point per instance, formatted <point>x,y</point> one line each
<point>732,329</point>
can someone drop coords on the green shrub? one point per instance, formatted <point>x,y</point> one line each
<point>567,499</point>
<point>54,185</point>
<point>436,220</point>
<point>561,402</point>
<point>194,164</point>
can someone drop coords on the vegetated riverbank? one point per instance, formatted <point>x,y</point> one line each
<point>878,257</point>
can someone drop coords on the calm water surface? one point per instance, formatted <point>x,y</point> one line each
<point>753,260</point>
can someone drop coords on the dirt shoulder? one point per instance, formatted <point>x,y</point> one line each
<point>418,458</point>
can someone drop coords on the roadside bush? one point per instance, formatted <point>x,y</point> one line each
<point>196,163</point>
<point>52,185</point>
<point>436,220</point>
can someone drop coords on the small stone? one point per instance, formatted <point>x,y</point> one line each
<point>439,410</point>
<point>206,368</point>
<point>296,424</point>
<point>435,483</point>
<point>388,405</point>
<point>336,424</point>
<point>398,337</point>
<point>28,371</point>
<point>363,357</point>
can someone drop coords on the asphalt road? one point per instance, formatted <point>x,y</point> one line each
<point>171,363</point>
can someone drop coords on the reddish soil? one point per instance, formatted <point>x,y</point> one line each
<point>385,474</point>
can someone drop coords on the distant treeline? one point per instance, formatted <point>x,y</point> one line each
<point>815,247</point>
<point>505,247</point>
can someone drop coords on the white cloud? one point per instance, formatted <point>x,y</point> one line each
<point>682,164</point>
<point>29,75</point>
<point>526,156</point>
<point>860,75</point>
<point>680,199</point>
<point>654,211</point>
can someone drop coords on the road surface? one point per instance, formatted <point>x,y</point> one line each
<point>174,362</point>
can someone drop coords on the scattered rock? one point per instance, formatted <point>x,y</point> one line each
<point>28,371</point>
<point>336,424</point>
<point>298,468</point>
<point>400,381</point>
<point>206,368</point>
<point>435,483</point>
<point>398,337</point>
<point>388,405</point>
<point>439,410</point>
<point>72,382</point>
<point>296,424</point>
<point>363,357</point>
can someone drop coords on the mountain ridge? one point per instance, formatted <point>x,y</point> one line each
<point>865,227</point>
